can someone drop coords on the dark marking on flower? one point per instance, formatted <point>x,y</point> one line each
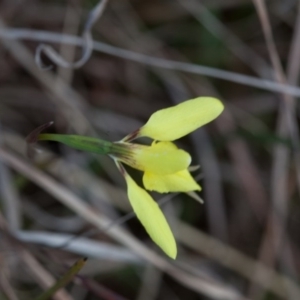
<point>121,168</point>
<point>33,137</point>
<point>131,136</point>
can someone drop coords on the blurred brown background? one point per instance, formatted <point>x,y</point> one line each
<point>243,243</point>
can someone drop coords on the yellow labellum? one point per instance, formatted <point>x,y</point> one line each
<point>159,158</point>
<point>152,218</point>
<point>172,123</point>
<point>181,181</point>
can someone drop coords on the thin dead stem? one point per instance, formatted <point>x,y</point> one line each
<point>94,16</point>
<point>13,34</point>
<point>285,127</point>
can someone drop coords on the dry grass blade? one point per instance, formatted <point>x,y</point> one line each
<point>36,270</point>
<point>73,202</point>
<point>64,95</point>
<point>285,127</point>
<point>237,46</point>
<point>152,279</point>
<point>235,260</point>
<point>293,70</point>
<point>7,288</point>
<point>9,195</point>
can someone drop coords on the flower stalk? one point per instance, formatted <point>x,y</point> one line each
<point>79,142</point>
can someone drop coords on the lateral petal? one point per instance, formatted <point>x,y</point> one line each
<point>172,123</point>
<point>181,181</point>
<point>151,216</point>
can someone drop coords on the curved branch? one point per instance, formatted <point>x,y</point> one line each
<point>87,44</point>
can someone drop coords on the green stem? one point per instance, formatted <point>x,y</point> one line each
<point>63,281</point>
<point>79,142</point>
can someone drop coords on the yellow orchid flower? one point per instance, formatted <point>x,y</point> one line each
<point>165,166</point>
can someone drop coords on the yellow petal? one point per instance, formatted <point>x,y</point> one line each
<point>152,218</point>
<point>175,122</point>
<point>181,181</point>
<point>160,158</point>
